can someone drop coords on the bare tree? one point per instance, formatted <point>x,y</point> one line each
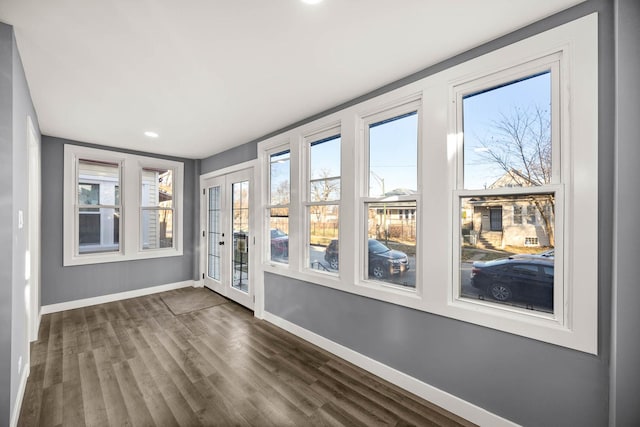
<point>327,187</point>
<point>323,189</point>
<point>281,194</point>
<point>521,146</point>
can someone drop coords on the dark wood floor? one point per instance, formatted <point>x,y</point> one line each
<point>133,362</point>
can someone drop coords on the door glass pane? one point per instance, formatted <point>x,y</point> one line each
<point>215,234</point>
<point>240,215</point>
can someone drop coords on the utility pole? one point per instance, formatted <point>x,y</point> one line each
<point>384,206</point>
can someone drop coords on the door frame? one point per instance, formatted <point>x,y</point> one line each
<point>34,209</point>
<point>255,255</point>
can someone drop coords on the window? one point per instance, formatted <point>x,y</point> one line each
<point>278,208</point>
<point>390,201</point>
<point>110,186</point>
<point>323,202</point>
<point>98,206</point>
<point>449,182</point>
<point>517,214</point>
<point>531,213</point>
<point>156,208</point>
<point>531,241</point>
<point>509,157</point>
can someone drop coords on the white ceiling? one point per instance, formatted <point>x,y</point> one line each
<point>208,75</point>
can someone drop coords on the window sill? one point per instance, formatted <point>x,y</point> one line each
<point>119,257</point>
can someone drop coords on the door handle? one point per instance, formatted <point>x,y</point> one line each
<point>221,243</point>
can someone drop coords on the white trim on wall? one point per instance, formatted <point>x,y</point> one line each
<point>574,323</point>
<point>428,392</point>
<point>22,387</point>
<point>255,272</point>
<point>130,246</point>
<point>86,302</point>
<point>34,216</point>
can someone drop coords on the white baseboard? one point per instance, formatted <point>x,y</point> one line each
<point>15,414</point>
<point>445,400</point>
<point>34,334</point>
<point>70,305</point>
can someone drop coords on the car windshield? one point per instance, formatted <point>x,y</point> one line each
<point>376,247</point>
<point>277,233</point>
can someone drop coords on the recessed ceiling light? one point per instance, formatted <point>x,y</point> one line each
<point>151,134</point>
<point>311,1</point>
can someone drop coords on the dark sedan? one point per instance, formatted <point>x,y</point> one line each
<point>279,243</point>
<point>528,280</point>
<point>383,262</point>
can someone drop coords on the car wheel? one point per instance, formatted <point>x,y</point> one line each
<point>500,292</point>
<point>378,271</point>
<point>333,262</point>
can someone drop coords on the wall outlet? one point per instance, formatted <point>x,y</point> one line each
<point>19,365</point>
<point>20,219</point>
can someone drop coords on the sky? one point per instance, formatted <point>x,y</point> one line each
<point>393,144</point>
<point>393,155</point>
<point>482,109</point>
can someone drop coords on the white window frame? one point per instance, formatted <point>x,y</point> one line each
<point>405,107</point>
<point>281,148</point>
<point>575,323</point>
<point>307,203</point>
<point>158,165</point>
<point>486,81</point>
<point>130,201</point>
<point>98,206</point>
<point>575,115</point>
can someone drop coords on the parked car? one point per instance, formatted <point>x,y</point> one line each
<point>383,262</point>
<point>279,243</point>
<point>525,279</point>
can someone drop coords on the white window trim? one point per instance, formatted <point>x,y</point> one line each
<point>154,163</point>
<point>577,326</point>
<point>130,214</point>
<point>267,153</point>
<point>573,324</point>
<point>330,131</point>
<point>403,106</point>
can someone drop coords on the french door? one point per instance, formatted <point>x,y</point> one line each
<point>228,235</point>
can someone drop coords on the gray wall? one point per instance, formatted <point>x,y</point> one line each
<point>22,108</point>
<point>527,381</point>
<point>625,375</point>
<point>6,218</point>
<point>233,156</point>
<point>61,284</point>
<point>15,107</point>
